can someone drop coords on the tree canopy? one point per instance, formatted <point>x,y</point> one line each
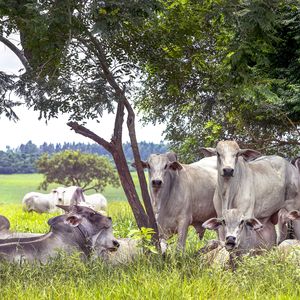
<point>89,171</point>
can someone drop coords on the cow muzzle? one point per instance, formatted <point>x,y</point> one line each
<point>156,183</point>
<point>230,242</point>
<point>115,247</point>
<point>228,172</point>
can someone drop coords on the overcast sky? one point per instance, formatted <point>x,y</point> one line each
<point>56,131</point>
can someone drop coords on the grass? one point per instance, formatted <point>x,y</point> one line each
<point>272,276</point>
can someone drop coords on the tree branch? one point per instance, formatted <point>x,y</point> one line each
<point>86,132</point>
<point>16,51</point>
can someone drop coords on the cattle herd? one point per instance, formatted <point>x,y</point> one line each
<point>237,192</point>
<point>250,200</point>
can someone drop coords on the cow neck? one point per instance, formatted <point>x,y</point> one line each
<point>85,242</point>
<point>228,187</point>
<point>79,237</point>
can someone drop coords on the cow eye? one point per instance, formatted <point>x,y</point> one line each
<point>242,222</point>
<point>166,166</point>
<point>218,154</point>
<point>223,222</point>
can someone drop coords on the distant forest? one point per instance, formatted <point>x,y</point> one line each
<point>22,159</point>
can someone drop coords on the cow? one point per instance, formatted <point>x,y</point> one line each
<point>242,235</point>
<point>97,201</point>
<point>81,229</point>
<point>40,203</point>
<point>256,185</point>
<point>67,196</point>
<point>181,195</point>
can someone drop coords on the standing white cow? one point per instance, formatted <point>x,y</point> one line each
<point>258,188</point>
<point>181,195</point>
<point>40,203</point>
<point>71,195</point>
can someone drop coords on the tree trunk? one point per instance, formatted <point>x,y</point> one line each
<point>140,170</point>
<point>129,188</point>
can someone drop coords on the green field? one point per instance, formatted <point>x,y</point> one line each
<point>14,187</point>
<point>272,276</point>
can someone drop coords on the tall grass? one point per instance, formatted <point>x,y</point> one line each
<point>176,276</point>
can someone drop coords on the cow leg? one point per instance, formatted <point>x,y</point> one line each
<point>282,225</point>
<point>182,234</point>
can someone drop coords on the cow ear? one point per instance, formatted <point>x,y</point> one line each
<point>254,224</point>
<point>249,154</point>
<point>293,215</point>
<point>175,165</point>
<point>208,151</point>
<point>212,224</point>
<point>73,220</point>
<point>145,165</point>
<point>296,162</point>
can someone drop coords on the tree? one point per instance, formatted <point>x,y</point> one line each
<point>71,64</point>
<point>222,70</point>
<point>89,171</point>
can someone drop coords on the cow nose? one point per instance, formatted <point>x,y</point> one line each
<point>230,240</point>
<point>228,172</point>
<point>156,183</point>
<point>116,244</point>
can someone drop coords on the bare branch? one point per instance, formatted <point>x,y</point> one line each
<point>16,51</point>
<point>86,132</point>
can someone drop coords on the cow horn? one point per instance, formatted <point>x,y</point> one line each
<point>172,156</point>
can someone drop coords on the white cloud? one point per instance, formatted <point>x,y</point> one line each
<point>56,131</point>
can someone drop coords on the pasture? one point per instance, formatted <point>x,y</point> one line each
<point>272,276</point>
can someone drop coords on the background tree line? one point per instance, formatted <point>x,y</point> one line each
<point>23,158</point>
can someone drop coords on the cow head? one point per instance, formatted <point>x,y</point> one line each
<point>235,226</point>
<point>159,166</point>
<point>59,195</point>
<point>228,153</point>
<point>97,226</point>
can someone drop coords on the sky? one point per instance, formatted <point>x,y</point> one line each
<point>55,131</point>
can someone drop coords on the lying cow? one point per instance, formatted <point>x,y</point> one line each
<point>181,195</point>
<point>79,230</point>
<point>243,234</point>
<point>40,203</point>
<point>66,196</point>
<point>257,186</point>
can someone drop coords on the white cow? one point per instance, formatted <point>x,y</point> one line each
<point>39,202</point>
<point>97,201</point>
<point>181,195</point>
<point>71,195</point>
<point>258,187</point>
